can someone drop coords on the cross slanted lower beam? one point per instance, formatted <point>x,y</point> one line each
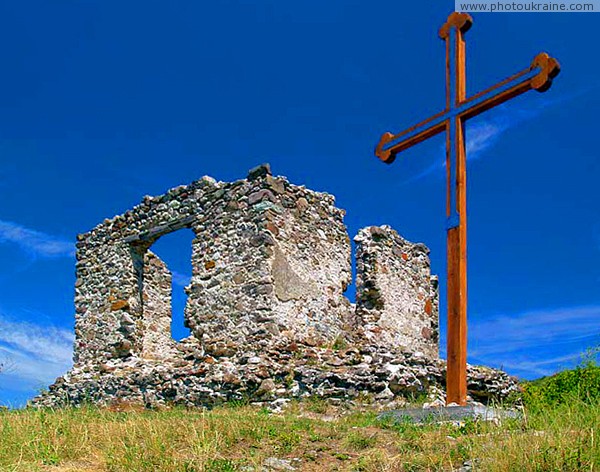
<point>459,108</point>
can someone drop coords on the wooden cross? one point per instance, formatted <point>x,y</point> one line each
<point>459,108</point>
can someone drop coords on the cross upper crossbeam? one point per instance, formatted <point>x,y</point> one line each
<point>538,76</point>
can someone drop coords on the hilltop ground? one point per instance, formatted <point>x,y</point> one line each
<point>558,432</point>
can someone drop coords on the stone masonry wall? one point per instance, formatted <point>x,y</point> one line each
<point>157,341</point>
<point>266,307</point>
<point>270,260</point>
<point>397,298</point>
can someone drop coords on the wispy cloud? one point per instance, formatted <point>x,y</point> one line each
<point>182,280</point>
<point>52,343</point>
<point>484,132</point>
<point>36,354</point>
<point>535,343</point>
<point>530,368</point>
<point>35,242</point>
<point>482,136</point>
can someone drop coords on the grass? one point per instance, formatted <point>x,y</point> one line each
<point>559,437</point>
<point>558,432</point>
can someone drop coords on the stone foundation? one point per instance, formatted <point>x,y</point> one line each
<point>270,378</point>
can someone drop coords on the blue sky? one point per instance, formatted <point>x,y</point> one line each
<point>104,102</point>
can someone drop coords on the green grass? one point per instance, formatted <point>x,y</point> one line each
<point>558,432</point>
<point>583,382</point>
<point>562,437</point>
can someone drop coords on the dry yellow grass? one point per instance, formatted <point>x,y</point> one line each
<point>561,438</point>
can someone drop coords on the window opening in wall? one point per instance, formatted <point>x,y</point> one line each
<point>175,250</point>
<point>350,292</point>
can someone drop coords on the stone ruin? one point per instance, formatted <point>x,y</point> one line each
<point>266,307</point>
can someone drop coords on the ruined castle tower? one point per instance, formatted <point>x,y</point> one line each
<point>266,306</point>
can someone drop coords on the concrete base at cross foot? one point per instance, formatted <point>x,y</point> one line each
<point>449,413</point>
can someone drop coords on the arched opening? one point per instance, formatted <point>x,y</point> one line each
<point>175,250</point>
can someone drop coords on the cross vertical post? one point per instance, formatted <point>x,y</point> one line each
<point>459,108</point>
<point>456,212</point>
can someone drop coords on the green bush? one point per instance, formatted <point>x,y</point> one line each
<point>582,383</point>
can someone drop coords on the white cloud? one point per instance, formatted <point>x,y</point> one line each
<point>36,354</point>
<point>53,343</point>
<point>536,342</point>
<point>481,136</point>
<point>35,242</point>
<point>540,327</point>
<point>182,280</point>
<point>484,131</point>
<point>526,367</point>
